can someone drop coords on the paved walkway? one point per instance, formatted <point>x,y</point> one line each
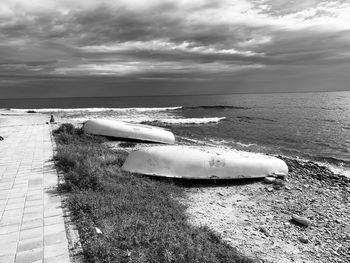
<point>31,220</point>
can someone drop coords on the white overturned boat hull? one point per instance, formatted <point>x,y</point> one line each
<point>202,163</point>
<point>120,129</point>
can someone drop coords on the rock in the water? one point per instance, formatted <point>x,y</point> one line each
<point>303,240</point>
<point>301,220</point>
<point>269,179</point>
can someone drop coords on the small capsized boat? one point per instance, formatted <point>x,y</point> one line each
<point>202,163</point>
<point>126,130</point>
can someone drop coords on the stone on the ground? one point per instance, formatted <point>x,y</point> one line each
<point>269,179</point>
<point>282,176</point>
<point>265,231</point>
<point>303,240</point>
<point>98,231</point>
<point>301,220</point>
<point>270,189</point>
<point>279,182</point>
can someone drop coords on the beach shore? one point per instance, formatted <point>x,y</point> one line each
<point>255,217</point>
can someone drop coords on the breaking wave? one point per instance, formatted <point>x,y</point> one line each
<point>190,120</point>
<point>249,119</point>
<point>147,120</point>
<point>99,109</point>
<point>218,107</point>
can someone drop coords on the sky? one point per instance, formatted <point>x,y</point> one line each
<point>64,48</point>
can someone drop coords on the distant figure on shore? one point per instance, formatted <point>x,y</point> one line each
<point>52,119</point>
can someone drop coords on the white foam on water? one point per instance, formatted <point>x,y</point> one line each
<point>191,120</point>
<point>99,109</point>
<point>140,119</point>
<point>336,169</point>
<point>228,142</point>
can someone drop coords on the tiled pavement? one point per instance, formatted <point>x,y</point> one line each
<point>31,220</point>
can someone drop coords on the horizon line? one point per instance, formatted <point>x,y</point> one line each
<point>179,95</point>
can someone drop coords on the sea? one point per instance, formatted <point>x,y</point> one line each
<point>307,126</point>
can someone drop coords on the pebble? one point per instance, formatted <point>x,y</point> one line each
<point>279,182</point>
<point>98,231</point>
<point>303,240</point>
<point>269,179</point>
<point>277,186</point>
<point>301,220</point>
<point>270,189</point>
<point>265,231</point>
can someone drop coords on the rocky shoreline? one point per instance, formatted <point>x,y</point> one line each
<point>258,217</point>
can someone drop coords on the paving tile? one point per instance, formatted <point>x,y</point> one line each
<point>31,216</point>
<point>17,195</point>
<point>9,238</point>
<point>55,238</point>
<point>34,197</point>
<point>38,222</point>
<point>29,244</point>
<point>10,219</point>
<point>52,212</point>
<point>56,228</point>
<point>9,229</point>
<point>53,220</point>
<point>16,200</point>
<point>31,233</point>
<point>9,258</point>
<point>8,248</point>
<point>58,259</point>
<point>55,250</point>
<point>14,206</point>
<point>29,256</point>
<point>34,203</point>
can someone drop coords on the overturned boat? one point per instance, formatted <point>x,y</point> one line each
<point>130,131</point>
<point>202,163</point>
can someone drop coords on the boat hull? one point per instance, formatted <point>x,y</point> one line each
<point>202,163</point>
<point>131,131</point>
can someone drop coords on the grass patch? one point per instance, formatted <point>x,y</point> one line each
<point>139,218</point>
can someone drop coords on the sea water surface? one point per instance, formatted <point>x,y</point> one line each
<point>311,126</point>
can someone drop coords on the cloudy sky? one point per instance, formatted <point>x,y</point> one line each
<point>68,48</point>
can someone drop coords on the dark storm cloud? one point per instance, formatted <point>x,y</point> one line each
<point>169,40</point>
